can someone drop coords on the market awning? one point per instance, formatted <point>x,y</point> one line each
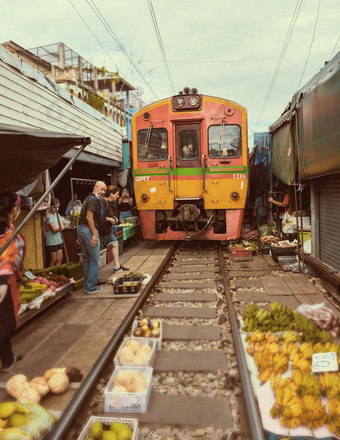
<point>26,152</point>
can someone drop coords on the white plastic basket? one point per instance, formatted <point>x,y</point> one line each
<point>106,421</point>
<point>158,340</point>
<point>141,341</point>
<point>102,258</point>
<point>128,402</point>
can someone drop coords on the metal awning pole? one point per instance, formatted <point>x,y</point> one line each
<point>42,198</point>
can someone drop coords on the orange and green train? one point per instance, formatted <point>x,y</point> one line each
<point>190,167</point>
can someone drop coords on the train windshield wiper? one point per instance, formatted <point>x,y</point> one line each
<point>147,138</point>
<point>220,135</point>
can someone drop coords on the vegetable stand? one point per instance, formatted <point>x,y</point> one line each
<point>30,314</point>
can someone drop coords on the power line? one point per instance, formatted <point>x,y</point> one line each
<point>337,41</point>
<point>88,27</point>
<point>311,43</point>
<point>116,40</point>
<point>278,66</point>
<point>211,61</point>
<point>159,38</point>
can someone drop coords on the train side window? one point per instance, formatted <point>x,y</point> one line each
<point>224,141</point>
<point>188,142</point>
<point>152,144</point>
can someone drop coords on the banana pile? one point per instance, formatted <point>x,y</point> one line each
<point>298,397</point>
<point>24,421</point>
<point>280,318</point>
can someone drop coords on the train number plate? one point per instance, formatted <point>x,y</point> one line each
<point>240,176</point>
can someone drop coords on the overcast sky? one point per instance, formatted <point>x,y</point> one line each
<point>224,48</point>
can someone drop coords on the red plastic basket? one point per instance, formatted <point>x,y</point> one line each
<point>240,252</point>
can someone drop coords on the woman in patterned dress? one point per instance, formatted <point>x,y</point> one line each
<point>11,271</point>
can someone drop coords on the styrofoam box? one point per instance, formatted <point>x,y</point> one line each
<point>305,221</point>
<point>158,340</point>
<point>141,341</point>
<point>132,423</point>
<point>128,402</point>
<point>102,258</point>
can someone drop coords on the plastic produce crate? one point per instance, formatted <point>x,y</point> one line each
<point>127,285</point>
<point>120,246</point>
<point>272,436</point>
<point>128,232</point>
<point>75,271</point>
<point>106,421</point>
<point>240,252</point>
<point>141,341</point>
<point>128,402</point>
<point>132,220</point>
<point>158,340</point>
<point>77,285</point>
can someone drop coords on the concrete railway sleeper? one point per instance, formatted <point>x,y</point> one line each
<point>198,386</point>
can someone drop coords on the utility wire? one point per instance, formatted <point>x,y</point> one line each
<point>159,38</point>
<point>116,40</point>
<point>88,27</point>
<point>211,61</point>
<point>311,43</point>
<point>337,41</point>
<point>278,66</point>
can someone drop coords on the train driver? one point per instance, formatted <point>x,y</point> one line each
<point>188,151</point>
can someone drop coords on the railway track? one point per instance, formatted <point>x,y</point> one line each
<point>196,386</point>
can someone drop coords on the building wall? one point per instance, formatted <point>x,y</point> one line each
<point>26,102</point>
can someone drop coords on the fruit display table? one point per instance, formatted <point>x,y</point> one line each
<point>29,314</point>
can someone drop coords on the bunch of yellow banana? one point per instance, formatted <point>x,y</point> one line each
<point>265,375</point>
<point>280,363</point>
<point>290,348</point>
<point>330,383</point>
<point>276,381</point>
<point>289,337</point>
<point>306,383</point>
<point>263,360</point>
<point>313,412</point>
<point>333,421</point>
<point>301,363</point>
<point>307,350</point>
<point>326,348</point>
<point>287,406</point>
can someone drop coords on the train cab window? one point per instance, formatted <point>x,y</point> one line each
<point>152,144</point>
<point>188,142</point>
<point>224,141</point>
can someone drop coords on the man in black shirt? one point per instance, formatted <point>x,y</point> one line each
<point>88,236</point>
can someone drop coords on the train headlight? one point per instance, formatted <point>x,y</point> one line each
<point>180,102</point>
<point>235,196</point>
<point>193,100</point>
<point>145,197</point>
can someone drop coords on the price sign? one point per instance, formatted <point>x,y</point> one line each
<point>324,362</point>
<point>29,275</point>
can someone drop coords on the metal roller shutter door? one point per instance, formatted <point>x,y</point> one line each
<point>329,220</point>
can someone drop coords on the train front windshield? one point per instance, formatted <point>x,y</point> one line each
<point>152,144</point>
<point>224,141</point>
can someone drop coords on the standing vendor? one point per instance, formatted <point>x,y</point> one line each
<point>11,271</point>
<point>54,240</point>
<point>284,205</point>
<point>88,236</point>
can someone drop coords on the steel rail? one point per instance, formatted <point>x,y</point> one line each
<point>254,417</point>
<point>64,423</point>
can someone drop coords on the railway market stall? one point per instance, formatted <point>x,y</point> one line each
<point>305,153</point>
<point>25,154</point>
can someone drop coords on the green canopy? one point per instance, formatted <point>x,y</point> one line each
<point>313,149</point>
<point>26,152</point>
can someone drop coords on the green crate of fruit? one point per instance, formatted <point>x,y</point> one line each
<point>75,271</point>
